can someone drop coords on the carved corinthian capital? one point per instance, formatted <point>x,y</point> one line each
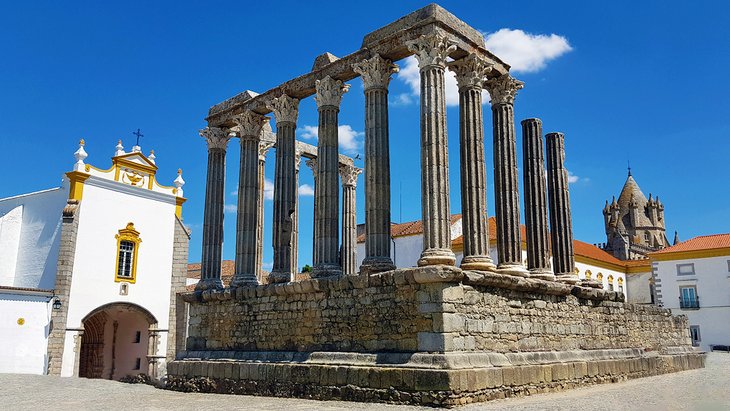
<point>216,137</point>
<point>503,89</point>
<point>375,71</point>
<point>329,92</point>
<point>285,108</point>
<point>431,49</point>
<point>349,175</point>
<point>471,71</point>
<point>312,164</point>
<point>250,124</point>
<point>264,147</point>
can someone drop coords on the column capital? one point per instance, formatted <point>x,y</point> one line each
<point>349,175</point>
<point>312,164</point>
<point>375,71</point>
<point>216,137</point>
<point>285,108</point>
<point>250,124</point>
<point>471,71</point>
<point>431,49</point>
<point>503,89</point>
<point>264,147</point>
<point>329,92</point>
<point>297,160</point>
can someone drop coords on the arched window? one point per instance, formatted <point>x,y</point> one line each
<point>127,249</point>
<point>588,274</point>
<point>610,282</point>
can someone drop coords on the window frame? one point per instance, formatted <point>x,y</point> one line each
<point>127,234</point>
<point>699,335</point>
<point>689,304</point>
<point>679,270</point>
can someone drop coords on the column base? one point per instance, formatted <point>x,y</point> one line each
<point>326,270</point>
<point>542,273</point>
<point>209,284</point>
<point>372,265</point>
<point>437,256</point>
<point>244,280</point>
<point>591,284</point>
<point>571,279</point>
<point>478,263</point>
<point>518,270</point>
<point>277,277</point>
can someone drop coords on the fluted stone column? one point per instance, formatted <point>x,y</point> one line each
<point>349,218</point>
<point>536,223</point>
<point>264,147</point>
<point>376,72</point>
<point>215,188</point>
<point>471,72</point>
<point>326,191</point>
<point>431,52</point>
<point>295,220</point>
<point>502,90</point>
<point>285,110</point>
<point>249,124</point>
<point>561,226</point>
<point>312,164</point>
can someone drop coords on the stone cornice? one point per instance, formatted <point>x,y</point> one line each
<point>431,49</point>
<point>285,108</point>
<point>503,89</point>
<point>329,92</point>
<point>349,175</point>
<point>250,124</point>
<point>217,138</point>
<point>375,72</point>
<point>471,71</point>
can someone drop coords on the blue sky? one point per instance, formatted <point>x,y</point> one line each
<point>639,81</point>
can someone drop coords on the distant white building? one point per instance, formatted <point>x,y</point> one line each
<point>89,271</point>
<point>590,261</point>
<point>693,278</point>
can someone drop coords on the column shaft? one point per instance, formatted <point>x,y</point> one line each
<point>349,218</point>
<point>561,226</point>
<point>247,222</point>
<point>533,163</point>
<point>295,220</point>
<point>260,219</point>
<point>376,73</point>
<point>285,201</point>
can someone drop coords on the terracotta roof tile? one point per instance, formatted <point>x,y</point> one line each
<point>404,229</point>
<point>228,269</point>
<point>703,242</point>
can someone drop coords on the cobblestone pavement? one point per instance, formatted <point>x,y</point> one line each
<point>707,389</point>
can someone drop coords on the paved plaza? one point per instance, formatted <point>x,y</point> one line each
<point>703,389</point>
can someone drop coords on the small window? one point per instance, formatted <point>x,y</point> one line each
<point>694,332</point>
<point>688,297</point>
<point>137,363</point>
<point>620,288</point>
<point>686,269</point>
<point>138,337</point>
<point>127,251</point>
<point>728,265</point>
<point>646,236</point>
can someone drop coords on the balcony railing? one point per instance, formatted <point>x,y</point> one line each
<point>689,303</point>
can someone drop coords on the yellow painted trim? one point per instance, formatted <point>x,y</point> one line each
<point>121,161</point>
<point>89,167</point>
<point>686,255</point>
<point>157,183</point>
<point>599,276</point>
<point>132,235</point>
<point>76,186</point>
<point>178,206</point>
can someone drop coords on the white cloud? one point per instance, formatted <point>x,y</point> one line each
<point>267,266</point>
<point>402,99</point>
<point>234,193</point>
<point>572,178</point>
<point>230,208</point>
<point>268,189</point>
<point>350,139</point>
<point>526,52</point>
<point>306,190</point>
<point>410,75</point>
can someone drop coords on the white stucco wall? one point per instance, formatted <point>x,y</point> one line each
<point>106,208</point>
<point>37,245</point>
<point>712,280</point>
<point>24,346</point>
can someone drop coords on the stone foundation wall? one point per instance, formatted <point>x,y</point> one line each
<point>426,310</point>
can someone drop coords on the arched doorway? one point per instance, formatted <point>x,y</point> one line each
<point>116,341</point>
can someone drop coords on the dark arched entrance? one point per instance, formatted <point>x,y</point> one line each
<point>115,341</point>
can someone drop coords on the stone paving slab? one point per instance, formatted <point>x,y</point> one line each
<point>704,389</point>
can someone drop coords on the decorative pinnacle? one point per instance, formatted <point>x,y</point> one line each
<point>179,171</point>
<point>82,142</point>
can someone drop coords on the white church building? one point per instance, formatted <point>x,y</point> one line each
<point>89,271</point>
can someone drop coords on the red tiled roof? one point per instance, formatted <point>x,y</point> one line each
<point>406,229</point>
<point>228,269</point>
<point>703,242</point>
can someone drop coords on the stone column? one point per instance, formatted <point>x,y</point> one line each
<point>375,73</point>
<point>502,90</point>
<point>312,164</point>
<point>536,223</point>
<point>295,220</point>
<point>431,52</point>
<point>349,218</point>
<point>471,72</point>
<point>326,191</point>
<point>285,110</point>
<point>215,188</point>
<point>249,124</point>
<point>264,147</point>
<point>561,226</point>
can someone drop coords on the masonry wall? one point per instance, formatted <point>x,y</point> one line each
<point>437,312</point>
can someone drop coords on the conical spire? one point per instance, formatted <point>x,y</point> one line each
<point>676,238</point>
<point>119,149</point>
